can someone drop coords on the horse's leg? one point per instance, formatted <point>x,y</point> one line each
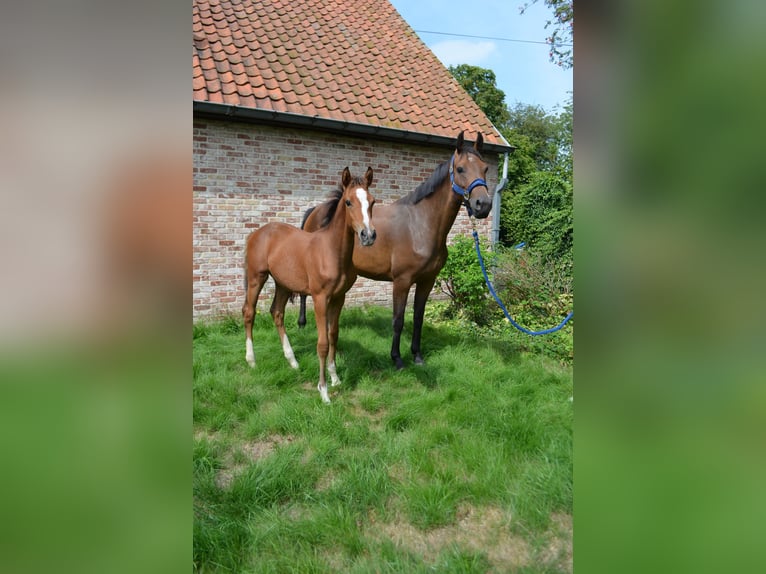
<point>333,317</point>
<point>302,311</point>
<point>422,291</point>
<point>401,290</point>
<point>253,286</point>
<point>281,296</point>
<point>320,316</point>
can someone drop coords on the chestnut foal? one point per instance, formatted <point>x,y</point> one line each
<point>319,264</point>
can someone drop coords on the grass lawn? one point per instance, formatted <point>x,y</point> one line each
<point>461,465</point>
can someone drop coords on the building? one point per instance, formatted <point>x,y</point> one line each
<point>286,94</point>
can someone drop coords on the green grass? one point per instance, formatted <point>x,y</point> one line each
<point>461,465</point>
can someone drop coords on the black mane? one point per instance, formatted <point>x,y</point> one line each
<point>434,180</point>
<point>332,206</point>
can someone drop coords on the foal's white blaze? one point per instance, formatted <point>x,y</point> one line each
<point>288,350</point>
<point>249,354</point>
<point>333,374</point>
<point>362,195</point>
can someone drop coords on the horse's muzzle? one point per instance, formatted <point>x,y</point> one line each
<point>481,206</point>
<point>367,236</point>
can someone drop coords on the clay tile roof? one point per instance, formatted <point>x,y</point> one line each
<point>339,60</point>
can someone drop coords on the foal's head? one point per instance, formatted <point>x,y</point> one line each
<point>468,172</point>
<point>358,201</point>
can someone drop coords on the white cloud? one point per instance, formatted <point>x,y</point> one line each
<point>456,52</point>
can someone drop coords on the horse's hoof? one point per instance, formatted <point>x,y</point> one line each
<point>419,360</point>
<point>323,394</point>
<point>399,364</point>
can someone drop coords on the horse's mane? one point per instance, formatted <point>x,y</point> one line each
<point>331,205</point>
<point>434,180</point>
<point>332,202</point>
<point>306,214</point>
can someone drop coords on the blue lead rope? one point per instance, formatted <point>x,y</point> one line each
<point>499,302</point>
<point>466,195</point>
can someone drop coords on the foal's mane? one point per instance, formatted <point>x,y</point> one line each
<point>334,199</point>
<point>434,180</point>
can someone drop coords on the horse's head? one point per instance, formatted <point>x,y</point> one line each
<point>359,202</point>
<point>467,176</point>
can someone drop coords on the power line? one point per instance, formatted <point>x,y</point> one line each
<point>489,38</point>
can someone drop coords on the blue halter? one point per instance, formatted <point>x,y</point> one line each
<point>464,193</point>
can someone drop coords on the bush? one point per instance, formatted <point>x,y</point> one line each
<point>527,275</point>
<point>538,294</point>
<point>462,281</point>
<point>540,214</point>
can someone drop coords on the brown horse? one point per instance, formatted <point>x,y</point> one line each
<point>315,263</point>
<point>413,244</point>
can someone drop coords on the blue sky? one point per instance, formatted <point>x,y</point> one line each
<point>523,70</point>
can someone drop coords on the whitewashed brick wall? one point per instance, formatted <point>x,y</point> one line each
<point>246,175</point>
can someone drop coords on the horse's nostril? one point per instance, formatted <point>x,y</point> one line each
<point>374,234</point>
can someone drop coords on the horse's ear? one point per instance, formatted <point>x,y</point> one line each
<point>459,144</point>
<point>345,177</point>
<point>479,143</point>
<point>368,176</point>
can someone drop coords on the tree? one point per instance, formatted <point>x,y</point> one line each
<point>564,126</point>
<point>537,204</point>
<point>533,122</point>
<point>540,214</point>
<point>560,40</point>
<point>480,83</point>
<point>543,141</point>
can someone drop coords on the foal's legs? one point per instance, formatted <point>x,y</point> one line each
<point>253,286</point>
<point>333,316</point>
<point>422,291</point>
<point>281,295</point>
<point>401,290</point>
<point>320,315</point>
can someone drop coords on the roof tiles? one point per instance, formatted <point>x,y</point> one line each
<point>335,59</point>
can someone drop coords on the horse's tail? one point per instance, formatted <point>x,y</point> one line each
<point>306,215</point>
<point>244,265</point>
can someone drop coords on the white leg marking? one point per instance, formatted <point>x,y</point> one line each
<point>249,354</point>
<point>288,350</point>
<point>333,374</point>
<point>323,393</point>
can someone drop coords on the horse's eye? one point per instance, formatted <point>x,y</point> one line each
<point>460,170</point>
<point>348,203</point>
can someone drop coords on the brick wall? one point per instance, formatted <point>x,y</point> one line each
<point>246,175</point>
